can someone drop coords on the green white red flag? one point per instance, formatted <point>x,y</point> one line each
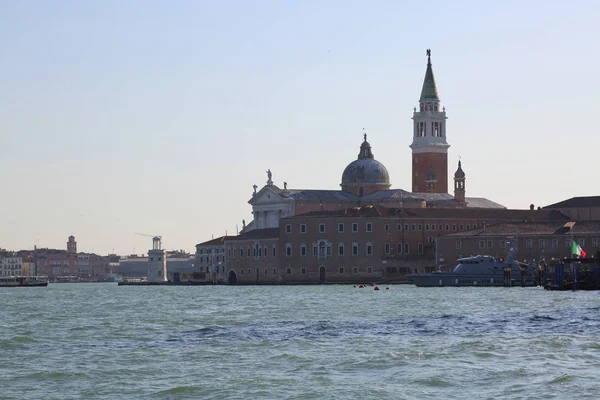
<point>577,250</point>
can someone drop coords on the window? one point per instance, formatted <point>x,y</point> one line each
<point>229,252</point>
<point>458,245</point>
<point>369,249</point>
<point>440,227</point>
<point>468,227</point>
<point>433,227</point>
<point>528,243</point>
<point>266,271</point>
<point>303,250</point>
<point>420,248</point>
<point>413,227</point>
<point>248,252</point>
<point>241,252</point>
<point>461,227</point>
<point>406,248</point>
<point>399,227</point>
<point>355,227</point>
<point>341,249</point>
<point>288,271</point>
<point>453,227</point>
<point>315,250</point>
<point>274,271</point>
<point>341,270</point>
<point>288,228</point>
<point>369,270</point>
<point>420,227</point>
<point>482,244</point>
<point>288,250</point>
<point>581,242</point>
<point>503,244</point>
<point>386,227</point>
<point>490,244</point>
<point>354,249</point>
<point>542,243</point>
<point>447,227</point>
<point>355,270</point>
<point>259,251</point>
<point>567,242</point>
<point>340,228</point>
<point>387,248</point>
<point>426,227</point>
<point>274,251</point>
<point>241,271</point>
<point>405,227</point>
<point>399,248</point>
<point>322,228</point>
<point>151,258</point>
<point>595,242</point>
<point>369,227</point>
<point>554,242</point>
<point>303,271</point>
<point>303,228</point>
<point>249,271</point>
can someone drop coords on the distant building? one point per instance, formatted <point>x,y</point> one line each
<point>579,208</point>
<point>535,240</point>
<point>210,258</point>
<point>11,266</point>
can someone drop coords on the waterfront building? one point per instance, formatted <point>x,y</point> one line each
<point>11,266</point>
<point>253,257</point>
<point>372,243</point>
<point>366,230</point>
<point>210,258</point>
<point>535,240</point>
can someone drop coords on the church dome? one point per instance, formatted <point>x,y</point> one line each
<point>365,171</point>
<point>459,172</point>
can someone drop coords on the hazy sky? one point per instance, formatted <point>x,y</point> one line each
<point>158,116</point>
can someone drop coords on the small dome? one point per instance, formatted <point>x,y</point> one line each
<point>459,172</point>
<point>365,171</point>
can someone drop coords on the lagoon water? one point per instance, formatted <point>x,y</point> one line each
<point>102,341</point>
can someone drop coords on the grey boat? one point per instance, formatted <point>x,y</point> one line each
<point>480,270</point>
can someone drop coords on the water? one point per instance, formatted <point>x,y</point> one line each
<point>102,341</point>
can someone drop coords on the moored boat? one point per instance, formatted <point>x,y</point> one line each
<point>481,270</point>
<point>23,281</point>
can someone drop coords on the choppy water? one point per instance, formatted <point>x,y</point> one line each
<point>92,341</point>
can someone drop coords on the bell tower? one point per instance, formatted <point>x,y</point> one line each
<point>429,146</point>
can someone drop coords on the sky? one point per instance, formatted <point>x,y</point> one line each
<point>157,117</point>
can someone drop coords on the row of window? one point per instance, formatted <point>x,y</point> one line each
<point>399,227</point>
<point>303,271</point>
<point>322,249</point>
<point>529,243</point>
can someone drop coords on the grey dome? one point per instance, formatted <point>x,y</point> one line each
<point>366,170</point>
<point>459,172</point>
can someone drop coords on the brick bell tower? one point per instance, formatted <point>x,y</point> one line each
<point>429,146</point>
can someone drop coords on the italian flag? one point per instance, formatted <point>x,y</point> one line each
<point>578,250</point>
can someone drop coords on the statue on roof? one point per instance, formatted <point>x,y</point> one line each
<point>269,176</point>
<point>255,187</point>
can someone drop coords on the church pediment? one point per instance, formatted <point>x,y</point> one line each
<point>267,195</point>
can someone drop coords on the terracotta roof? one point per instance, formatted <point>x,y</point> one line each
<point>533,228</point>
<point>215,242</point>
<point>447,213</point>
<point>267,233</point>
<point>577,202</point>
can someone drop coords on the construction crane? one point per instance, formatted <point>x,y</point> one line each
<point>156,240</point>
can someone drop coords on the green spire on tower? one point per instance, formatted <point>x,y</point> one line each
<point>429,92</point>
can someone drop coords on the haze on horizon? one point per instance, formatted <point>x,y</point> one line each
<point>158,117</point>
